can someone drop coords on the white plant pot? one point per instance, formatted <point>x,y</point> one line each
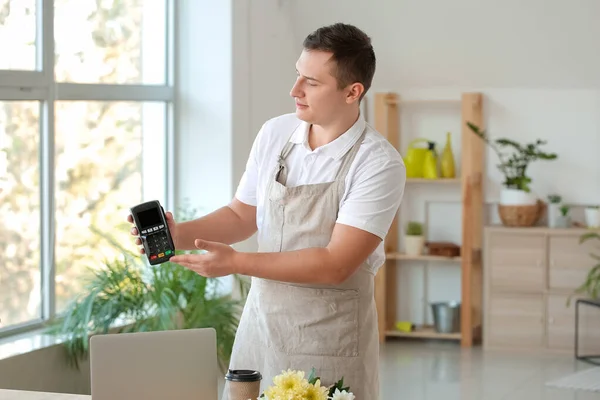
<point>414,245</point>
<point>592,217</point>
<point>553,214</point>
<point>514,197</point>
<point>563,221</point>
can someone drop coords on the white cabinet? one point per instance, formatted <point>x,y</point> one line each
<point>529,274</point>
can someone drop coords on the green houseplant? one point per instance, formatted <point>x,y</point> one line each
<point>563,220</point>
<point>514,159</point>
<point>591,285</point>
<point>414,239</point>
<point>128,295</point>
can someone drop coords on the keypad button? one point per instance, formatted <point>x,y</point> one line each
<point>158,243</point>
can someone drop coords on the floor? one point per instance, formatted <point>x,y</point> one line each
<point>438,370</point>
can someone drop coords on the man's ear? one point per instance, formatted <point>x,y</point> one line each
<point>355,91</point>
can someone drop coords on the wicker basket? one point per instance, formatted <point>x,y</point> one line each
<point>521,215</point>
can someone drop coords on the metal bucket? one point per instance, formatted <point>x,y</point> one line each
<point>446,316</point>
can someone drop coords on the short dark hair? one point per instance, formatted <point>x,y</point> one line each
<point>352,52</point>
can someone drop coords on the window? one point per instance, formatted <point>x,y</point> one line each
<point>18,30</point>
<point>86,106</point>
<point>20,273</point>
<point>110,41</point>
<point>101,143</point>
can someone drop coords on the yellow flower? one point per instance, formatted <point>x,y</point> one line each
<point>290,381</point>
<point>289,385</point>
<point>316,392</point>
<point>273,393</point>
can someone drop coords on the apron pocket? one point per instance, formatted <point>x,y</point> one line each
<point>310,321</point>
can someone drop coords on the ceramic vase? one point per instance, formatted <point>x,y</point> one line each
<point>553,214</point>
<point>592,217</point>
<point>414,245</point>
<point>447,166</point>
<point>563,221</point>
<point>515,197</point>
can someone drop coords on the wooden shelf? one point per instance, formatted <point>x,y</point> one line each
<point>431,101</point>
<point>455,181</point>
<point>424,257</point>
<point>424,332</point>
<point>392,100</point>
<point>470,181</point>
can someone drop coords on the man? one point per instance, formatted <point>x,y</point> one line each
<point>321,187</point>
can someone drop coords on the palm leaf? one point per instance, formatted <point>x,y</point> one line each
<point>588,235</point>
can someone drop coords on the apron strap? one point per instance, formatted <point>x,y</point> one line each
<point>281,174</point>
<point>349,158</point>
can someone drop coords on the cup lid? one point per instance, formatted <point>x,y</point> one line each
<point>243,375</point>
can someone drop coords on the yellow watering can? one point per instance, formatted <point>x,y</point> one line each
<point>415,157</point>
<point>430,163</point>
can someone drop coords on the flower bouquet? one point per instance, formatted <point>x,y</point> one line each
<point>292,385</point>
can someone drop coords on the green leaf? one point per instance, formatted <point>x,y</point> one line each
<point>587,236</point>
<point>340,386</point>
<point>511,143</point>
<point>312,376</point>
<point>473,127</point>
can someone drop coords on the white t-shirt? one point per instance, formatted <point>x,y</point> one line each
<point>374,184</point>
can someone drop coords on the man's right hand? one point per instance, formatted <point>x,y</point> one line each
<point>170,222</point>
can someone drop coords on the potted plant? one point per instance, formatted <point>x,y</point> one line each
<point>591,285</point>
<point>592,216</point>
<point>414,240</point>
<point>553,209</point>
<point>513,166</point>
<point>129,295</point>
<point>563,220</point>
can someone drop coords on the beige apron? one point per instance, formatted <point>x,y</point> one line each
<point>292,326</point>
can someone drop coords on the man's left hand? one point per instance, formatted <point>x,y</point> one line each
<point>217,261</point>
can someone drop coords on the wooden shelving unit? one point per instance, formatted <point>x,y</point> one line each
<point>424,257</point>
<point>446,181</point>
<point>423,332</point>
<point>387,122</point>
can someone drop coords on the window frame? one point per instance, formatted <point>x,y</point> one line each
<point>40,85</point>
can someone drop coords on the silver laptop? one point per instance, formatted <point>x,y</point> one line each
<point>178,364</point>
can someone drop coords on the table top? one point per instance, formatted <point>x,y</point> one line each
<point>23,395</point>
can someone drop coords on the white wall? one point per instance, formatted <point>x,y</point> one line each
<point>538,65</point>
<point>462,43</point>
<point>204,101</point>
<point>236,70</point>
